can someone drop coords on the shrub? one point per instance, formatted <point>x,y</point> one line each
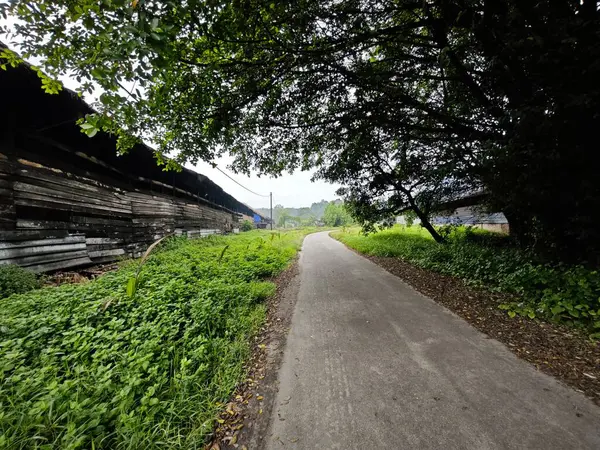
<point>247,225</point>
<point>16,280</point>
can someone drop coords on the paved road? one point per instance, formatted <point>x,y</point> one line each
<point>371,364</point>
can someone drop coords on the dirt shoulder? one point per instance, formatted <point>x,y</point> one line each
<point>245,421</point>
<point>556,350</point>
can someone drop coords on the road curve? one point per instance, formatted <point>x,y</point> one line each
<point>371,364</point>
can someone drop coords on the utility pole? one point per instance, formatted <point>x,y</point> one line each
<point>271,201</point>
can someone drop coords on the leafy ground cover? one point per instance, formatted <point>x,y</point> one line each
<point>556,292</point>
<point>16,280</point>
<point>89,366</point>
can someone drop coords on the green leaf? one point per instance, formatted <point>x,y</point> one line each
<point>512,314</point>
<point>131,286</point>
<point>97,73</point>
<point>88,22</point>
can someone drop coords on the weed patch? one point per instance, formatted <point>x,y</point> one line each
<point>89,366</point>
<point>16,280</point>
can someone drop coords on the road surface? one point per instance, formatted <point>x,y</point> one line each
<point>371,364</point>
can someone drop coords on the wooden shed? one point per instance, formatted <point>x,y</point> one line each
<point>67,200</point>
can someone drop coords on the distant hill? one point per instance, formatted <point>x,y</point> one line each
<point>315,211</point>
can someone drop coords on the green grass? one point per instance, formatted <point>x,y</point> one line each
<point>87,366</point>
<point>556,292</point>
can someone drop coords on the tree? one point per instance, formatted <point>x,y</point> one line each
<point>305,214</point>
<point>336,216</point>
<point>318,209</point>
<point>278,212</point>
<point>409,217</point>
<point>308,221</point>
<point>284,217</point>
<point>406,103</point>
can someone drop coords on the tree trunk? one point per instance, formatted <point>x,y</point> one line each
<point>518,228</point>
<point>425,223</point>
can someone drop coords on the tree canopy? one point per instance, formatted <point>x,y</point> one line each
<point>408,104</point>
<point>291,217</point>
<point>336,215</point>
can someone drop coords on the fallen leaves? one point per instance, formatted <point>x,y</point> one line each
<point>246,403</point>
<point>231,421</point>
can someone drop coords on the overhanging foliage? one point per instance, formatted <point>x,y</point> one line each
<point>405,103</point>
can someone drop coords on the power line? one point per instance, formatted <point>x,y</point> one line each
<point>239,184</point>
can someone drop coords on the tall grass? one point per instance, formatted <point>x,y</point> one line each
<point>568,294</point>
<point>87,366</point>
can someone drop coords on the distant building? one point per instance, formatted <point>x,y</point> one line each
<point>67,200</point>
<point>257,219</point>
<point>473,216</point>
<point>467,211</point>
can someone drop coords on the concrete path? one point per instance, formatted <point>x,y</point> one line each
<point>371,364</point>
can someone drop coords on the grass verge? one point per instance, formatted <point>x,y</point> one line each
<point>558,293</point>
<point>87,366</point>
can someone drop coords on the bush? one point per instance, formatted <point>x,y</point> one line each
<point>247,225</point>
<point>87,366</point>
<point>556,292</point>
<point>16,280</point>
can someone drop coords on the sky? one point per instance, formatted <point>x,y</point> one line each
<point>290,190</point>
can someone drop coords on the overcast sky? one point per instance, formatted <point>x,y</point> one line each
<point>295,190</point>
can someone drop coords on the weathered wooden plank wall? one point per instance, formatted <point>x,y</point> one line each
<point>60,208</point>
<point>7,204</point>
<point>68,200</point>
